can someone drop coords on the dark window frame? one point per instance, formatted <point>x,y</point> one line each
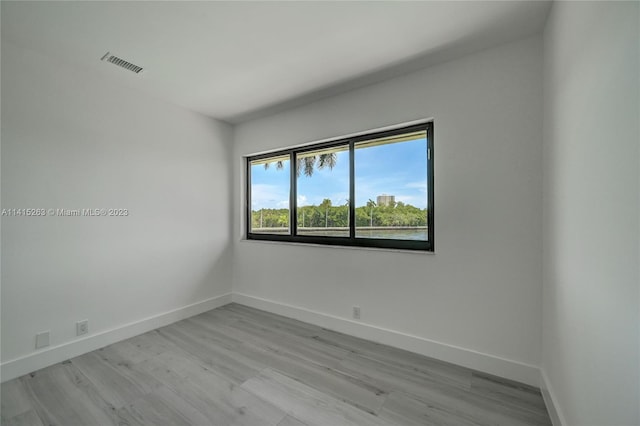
<point>350,241</point>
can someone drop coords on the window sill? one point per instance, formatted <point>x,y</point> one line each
<point>327,246</point>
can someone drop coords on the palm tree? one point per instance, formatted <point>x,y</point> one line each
<point>371,204</point>
<point>308,163</point>
<point>326,204</point>
<point>279,165</point>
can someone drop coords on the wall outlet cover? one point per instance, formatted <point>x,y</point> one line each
<point>82,327</point>
<point>356,312</point>
<point>42,339</point>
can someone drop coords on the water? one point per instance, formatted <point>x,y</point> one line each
<point>393,234</point>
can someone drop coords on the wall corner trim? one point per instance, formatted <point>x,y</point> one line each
<point>41,359</point>
<point>491,364</point>
<point>550,400</point>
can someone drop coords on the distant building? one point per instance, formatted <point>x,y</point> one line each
<point>385,200</point>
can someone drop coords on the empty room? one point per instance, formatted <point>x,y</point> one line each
<point>291,213</point>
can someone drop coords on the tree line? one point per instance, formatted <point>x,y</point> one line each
<point>330,216</point>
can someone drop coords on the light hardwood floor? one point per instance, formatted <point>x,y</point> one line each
<point>240,366</point>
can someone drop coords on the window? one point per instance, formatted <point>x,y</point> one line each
<point>270,196</point>
<point>373,190</point>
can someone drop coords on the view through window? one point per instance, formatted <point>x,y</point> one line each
<point>270,195</point>
<point>323,192</point>
<point>372,190</point>
<point>392,187</point>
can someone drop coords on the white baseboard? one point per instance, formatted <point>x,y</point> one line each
<point>502,367</point>
<point>35,361</point>
<point>491,364</point>
<point>551,401</point>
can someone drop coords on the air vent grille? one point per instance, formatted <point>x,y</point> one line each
<point>122,63</point>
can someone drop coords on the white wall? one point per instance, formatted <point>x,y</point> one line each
<point>481,290</point>
<point>591,214</point>
<point>72,140</point>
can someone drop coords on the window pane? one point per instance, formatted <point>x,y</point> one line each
<point>391,187</point>
<point>270,182</point>
<point>323,192</point>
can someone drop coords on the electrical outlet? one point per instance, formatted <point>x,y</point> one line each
<point>82,327</point>
<point>42,339</point>
<point>356,312</point>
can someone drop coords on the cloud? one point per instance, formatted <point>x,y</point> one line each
<point>419,202</point>
<point>339,198</point>
<point>420,185</point>
<point>269,196</point>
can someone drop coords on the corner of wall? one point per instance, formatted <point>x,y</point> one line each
<point>550,400</point>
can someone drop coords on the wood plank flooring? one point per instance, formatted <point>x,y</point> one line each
<point>240,366</point>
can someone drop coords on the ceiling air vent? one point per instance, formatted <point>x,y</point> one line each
<point>122,63</point>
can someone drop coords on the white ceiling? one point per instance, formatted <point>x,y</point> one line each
<point>239,60</point>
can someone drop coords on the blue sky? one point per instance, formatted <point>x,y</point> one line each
<point>395,169</point>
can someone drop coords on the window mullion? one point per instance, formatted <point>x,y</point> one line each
<point>248,199</point>
<point>352,191</point>
<point>431,186</point>
<point>293,208</point>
